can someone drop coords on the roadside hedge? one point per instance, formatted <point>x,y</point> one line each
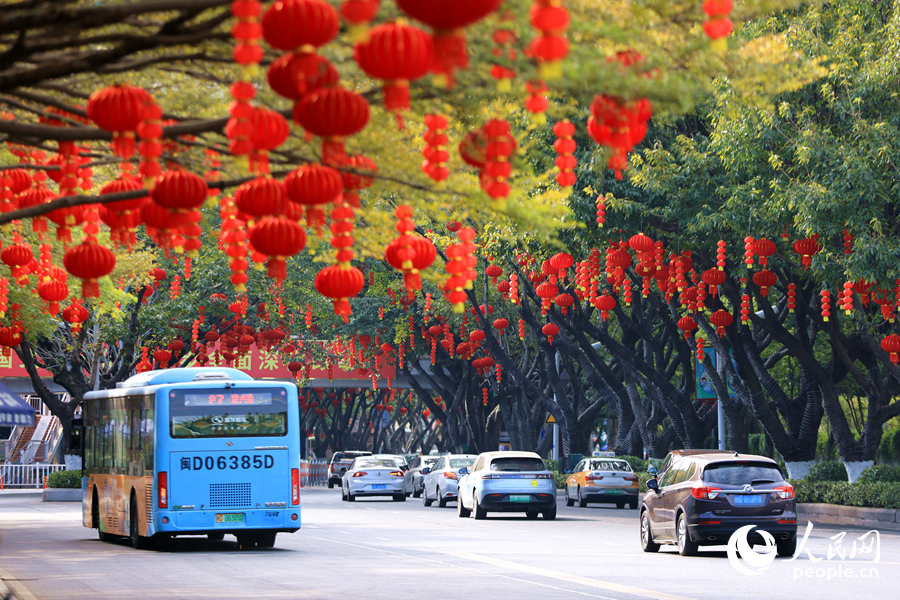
<point>871,495</point>
<point>64,479</point>
<point>827,471</point>
<point>877,473</point>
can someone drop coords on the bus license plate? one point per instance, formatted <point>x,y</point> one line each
<point>379,486</point>
<point>520,498</point>
<point>230,518</point>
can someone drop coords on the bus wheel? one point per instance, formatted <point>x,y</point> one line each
<point>95,519</point>
<point>266,539</point>
<point>215,537</point>
<point>138,541</point>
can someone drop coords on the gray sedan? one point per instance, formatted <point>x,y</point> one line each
<point>441,481</point>
<point>413,479</point>
<point>372,476</point>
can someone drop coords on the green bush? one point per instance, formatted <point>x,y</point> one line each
<point>827,471</point>
<point>889,447</point>
<point>64,479</point>
<point>877,473</point>
<point>885,494</point>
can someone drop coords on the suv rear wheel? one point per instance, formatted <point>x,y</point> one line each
<point>788,547</point>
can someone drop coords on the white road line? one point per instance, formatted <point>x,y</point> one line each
<point>587,581</point>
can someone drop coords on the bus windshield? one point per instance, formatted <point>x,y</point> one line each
<point>198,413</point>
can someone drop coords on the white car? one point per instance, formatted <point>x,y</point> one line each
<point>507,482</point>
<point>442,478</point>
<point>372,476</point>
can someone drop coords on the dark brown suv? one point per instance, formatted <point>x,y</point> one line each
<point>702,498</point>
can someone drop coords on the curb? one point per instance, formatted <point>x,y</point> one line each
<point>62,495</point>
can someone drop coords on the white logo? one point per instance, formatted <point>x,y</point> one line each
<point>218,420</point>
<point>740,552</point>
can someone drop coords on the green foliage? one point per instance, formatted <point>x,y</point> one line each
<point>879,473</point>
<point>889,447</point>
<point>871,495</point>
<point>64,479</point>
<point>827,471</point>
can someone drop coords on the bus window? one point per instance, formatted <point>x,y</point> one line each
<point>228,413</point>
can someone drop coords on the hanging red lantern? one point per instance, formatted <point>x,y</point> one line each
<point>17,257</point>
<point>291,24</point>
<point>53,292</point>
<point>75,314</point>
<point>764,279</point>
<point>500,325</point>
<point>89,261</point>
<point>398,54</point>
<point>718,26</point>
<point>435,151</point>
<point>826,304</point>
<point>447,18</point>
<point>547,292</point>
<point>551,18</point>
<point>564,301</point>
<point>604,304</point>
<point>807,248</point>
<point>891,345</point>
<point>332,113</point>
<point>493,272</point>
<point>313,186</point>
<point>550,330</point>
<point>269,129</point>
<point>260,197</point>
<point>687,325</point>
<point>713,278</point>
<point>340,283</point>
<point>278,238</point>
<point>537,101</point>
<point>119,109</point>
<point>721,319</point>
<point>294,75</point>
<point>565,147</point>
<point>358,14</point>
<point>560,263</point>
<point>123,216</point>
<point>764,248</point>
<point>497,167</point>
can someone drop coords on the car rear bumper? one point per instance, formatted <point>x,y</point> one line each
<point>601,494</point>
<point>502,502</point>
<point>718,534</point>
<point>390,489</point>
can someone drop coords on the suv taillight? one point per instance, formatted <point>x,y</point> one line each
<point>705,493</point>
<point>785,492</point>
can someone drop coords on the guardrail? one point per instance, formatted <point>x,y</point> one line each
<point>313,472</point>
<point>26,476</point>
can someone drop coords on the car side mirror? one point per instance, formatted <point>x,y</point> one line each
<point>464,471</point>
<point>425,471</point>
<point>652,471</point>
<point>653,484</point>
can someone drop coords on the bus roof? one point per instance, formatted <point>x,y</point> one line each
<point>185,375</point>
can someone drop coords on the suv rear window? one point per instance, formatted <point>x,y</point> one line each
<point>740,473</point>
<point>517,464</point>
<point>609,465</point>
<point>342,456</point>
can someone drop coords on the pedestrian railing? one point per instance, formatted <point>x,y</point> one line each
<point>26,476</point>
<point>314,472</point>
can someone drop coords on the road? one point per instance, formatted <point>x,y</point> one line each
<point>382,549</point>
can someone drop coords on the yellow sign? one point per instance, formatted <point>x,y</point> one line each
<point>550,419</point>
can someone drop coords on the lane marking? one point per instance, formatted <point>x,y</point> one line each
<point>587,581</point>
<point>19,591</point>
<point>463,568</point>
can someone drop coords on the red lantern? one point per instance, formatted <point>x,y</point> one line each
<point>332,113</point>
<point>260,197</point>
<point>807,248</point>
<point>641,243</point>
<point>550,330</point>
<point>447,18</point>
<point>560,262</point>
<point>764,279</point>
<point>269,129</point>
<point>604,304</point>
<point>340,283</point>
<point>551,18</point>
<point>764,248</point>
<point>719,25</point>
<point>891,345</point>
<point>565,147</point>
<point>721,319</point>
<point>313,186</point>
<point>179,191</point>
<point>687,325</point>
<point>501,325</point>
<point>295,75</point>
<point>564,301</point>
<point>713,278</point>
<point>119,109</point>
<point>397,54</point>
<point>53,292</point>
<point>278,238</point>
<point>358,14</point>
<point>75,314</point>
<point>89,261</point>
<point>291,24</point>
<point>493,271</point>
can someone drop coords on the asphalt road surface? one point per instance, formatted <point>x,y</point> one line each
<point>401,550</point>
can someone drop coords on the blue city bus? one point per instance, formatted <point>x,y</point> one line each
<point>194,451</point>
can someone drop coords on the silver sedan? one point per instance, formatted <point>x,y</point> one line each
<point>441,482</point>
<point>372,476</point>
